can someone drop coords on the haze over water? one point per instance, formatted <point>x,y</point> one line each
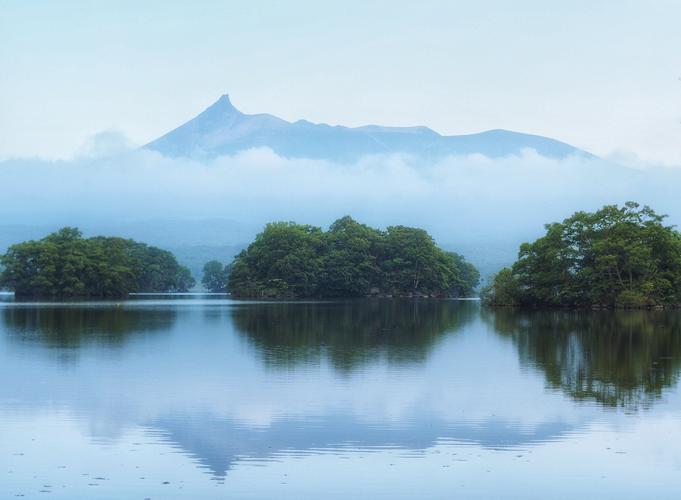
<point>165,397</point>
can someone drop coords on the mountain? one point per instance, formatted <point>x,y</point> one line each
<point>222,129</point>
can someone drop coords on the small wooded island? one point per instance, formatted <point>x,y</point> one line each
<point>64,264</point>
<point>616,257</point>
<point>290,260</point>
<point>286,261</point>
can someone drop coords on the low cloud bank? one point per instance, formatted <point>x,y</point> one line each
<point>458,199</point>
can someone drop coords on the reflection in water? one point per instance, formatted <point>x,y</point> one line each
<point>60,326</point>
<point>381,389</point>
<point>220,443</point>
<point>619,359</point>
<point>350,333</point>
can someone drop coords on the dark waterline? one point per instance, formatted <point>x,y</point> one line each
<point>205,397</point>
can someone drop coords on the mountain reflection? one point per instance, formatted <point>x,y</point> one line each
<point>349,334</point>
<point>69,327</point>
<point>219,444</point>
<point>618,359</point>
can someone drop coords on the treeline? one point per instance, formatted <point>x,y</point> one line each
<point>64,264</point>
<point>290,260</point>
<point>614,257</point>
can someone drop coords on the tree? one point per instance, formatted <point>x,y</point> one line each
<point>348,260</point>
<point>215,276</point>
<point>614,257</point>
<point>466,279</point>
<point>281,262</point>
<point>413,264</point>
<point>503,290</point>
<point>64,264</point>
<point>349,266</point>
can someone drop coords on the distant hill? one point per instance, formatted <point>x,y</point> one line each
<point>222,129</point>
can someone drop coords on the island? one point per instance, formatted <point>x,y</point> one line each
<point>64,264</point>
<point>288,260</point>
<point>616,257</point>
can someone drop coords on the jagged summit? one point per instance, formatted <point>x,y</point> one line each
<point>224,98</point>
<point>218,113</point>
<point>222,129</point>
<point>224,104</point>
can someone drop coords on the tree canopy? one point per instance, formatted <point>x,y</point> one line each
<point>215,276</point>
<point>348,260</point>
<point>614,257</point>
<point>64,264</point>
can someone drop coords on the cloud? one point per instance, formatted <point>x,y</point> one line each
<point>457,198</point>
<point>105,144</point>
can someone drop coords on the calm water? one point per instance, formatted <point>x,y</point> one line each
<point>210,398</point>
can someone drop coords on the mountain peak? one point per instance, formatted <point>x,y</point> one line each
<point>223,105</point>
<point>221,129</point>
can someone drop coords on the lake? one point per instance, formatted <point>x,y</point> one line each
<point>205,397</point>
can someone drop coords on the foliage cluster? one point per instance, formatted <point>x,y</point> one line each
<point>64,264</point>
<point>215,276</point>
<point>614,257</point>
<point>349,260</point>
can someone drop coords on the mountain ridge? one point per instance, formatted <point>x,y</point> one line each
<point>222,129</point>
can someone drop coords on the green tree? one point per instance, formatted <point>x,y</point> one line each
<point>467,277</point>
<point>614,257</point>
<point>502,290</point>
<point>349,267</point>
<point>348,260</point>
<point>283,261</point>
<point>413,264</point>
<point>64,264</point>
<point>215,276</point>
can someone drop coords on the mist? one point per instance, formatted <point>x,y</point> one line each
<point>474,204</point>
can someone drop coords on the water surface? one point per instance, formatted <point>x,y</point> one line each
<point>203,397</point>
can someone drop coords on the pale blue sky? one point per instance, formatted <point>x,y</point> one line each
<point>602,75</point>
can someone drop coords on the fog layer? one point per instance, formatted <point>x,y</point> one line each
<point>466,201</point>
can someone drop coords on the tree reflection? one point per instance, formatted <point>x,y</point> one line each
<point>349,334</point>
<point>59,326</point>
<point>618,359</point>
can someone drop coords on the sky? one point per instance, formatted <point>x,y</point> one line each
<point>602,75</point>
